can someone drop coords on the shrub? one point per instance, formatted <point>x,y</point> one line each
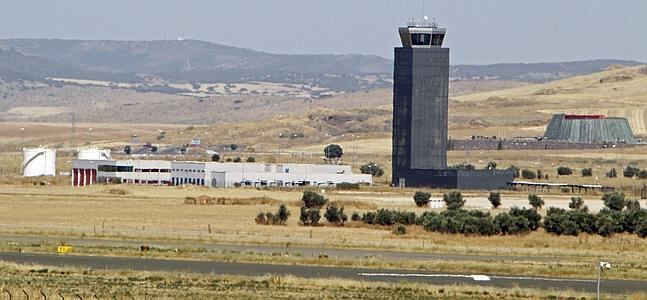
<point>641,229</point>
<point>384,217</point>
<point>372,168</point>
<point>251,159</point>
<point>535,201</point>
<point>514,170</point>
<point>614,201</point>
<point>282,214</point>
<point>631,218</point>
<point>495,199</point>
<point>587,172</point>
<point>425,217</point>
<point>527,174</point>
<point>461,221</point>
<point>228,159</point>
<point>454,200</point>
<point>335,215</point>
<point>612,173</point>
<point>564,171</point>
<point>631,171</point>
<point>215,157</point>
<point>421,198</point>
<point>540,175</point>
<point>233,147</point>
<point>312,199</point>
<point>309,217</point>
<point>237,159</point>
<point>400,229</point>
<point>642,174</point>
<point>463,166</point>
<point>491,165</point>
<point>347,186</point>
<point>356,217</point>
<point>607,222</point>
<point>530,215</point>
<point>368,217</point>
<point>576,203</point>
<point>404,217</point>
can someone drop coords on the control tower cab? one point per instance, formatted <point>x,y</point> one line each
<point>422,34</point>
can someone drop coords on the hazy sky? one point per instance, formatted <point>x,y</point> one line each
<point>479,31</point>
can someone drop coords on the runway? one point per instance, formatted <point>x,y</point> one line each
<point>391,276</point>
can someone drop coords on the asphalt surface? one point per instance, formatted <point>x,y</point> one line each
<point>264,249</point>
<point>392,276</point>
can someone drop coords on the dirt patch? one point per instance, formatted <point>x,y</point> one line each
<point>616,78</point>
<point>206,200</point>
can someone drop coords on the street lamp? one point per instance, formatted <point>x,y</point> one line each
<point>602,265</point>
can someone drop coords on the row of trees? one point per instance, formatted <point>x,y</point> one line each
<point>216,158</point>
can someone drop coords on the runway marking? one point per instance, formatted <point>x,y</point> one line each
<point>473,277</point>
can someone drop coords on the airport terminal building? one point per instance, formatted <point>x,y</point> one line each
<point>211,174</point>
<point>420,116</point>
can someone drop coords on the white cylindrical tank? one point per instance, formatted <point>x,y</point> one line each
<point>94,154</point>
<point>38,162</point>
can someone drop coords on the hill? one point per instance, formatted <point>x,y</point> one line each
<point>535,72</point>
<point>193,61</point>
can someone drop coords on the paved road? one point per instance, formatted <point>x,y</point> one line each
<point>244,269</point>
<point>300,251</point>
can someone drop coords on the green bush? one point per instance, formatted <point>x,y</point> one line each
<point>454,200</point>
<point>309,216</point>
<point>612,173</point>
<point>564,171</point>
<point>335,215</point>
<point>312,199</point>
<point>641,229</point>
<point>237,159</point>
<point>531,215</point>
<point>631,171</point>
<point>577,204</point>
<point>372,168</point>
<point>514,170</point>
<point>400,229</point>
<point>527,174</point>
<point>535,201</point>
<point>215,157</point>
<point>495,199</point>
<point>356,217</point>
<point>421,198</point>
<point>384,217</point>
<point>587,172</point>
<point>251,159</point>
<point>614,201</point>
<point>344,186</point>
<point>491,165</point>
<point>368,217</point>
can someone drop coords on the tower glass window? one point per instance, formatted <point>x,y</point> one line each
<point>419,39</point>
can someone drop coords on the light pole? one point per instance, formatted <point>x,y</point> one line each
<point>602,265</point>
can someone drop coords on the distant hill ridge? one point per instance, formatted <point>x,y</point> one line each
<point>200,61</point>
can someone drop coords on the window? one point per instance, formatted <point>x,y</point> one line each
<point>418,39</point>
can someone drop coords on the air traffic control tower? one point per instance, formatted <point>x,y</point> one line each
<point>420,108</point>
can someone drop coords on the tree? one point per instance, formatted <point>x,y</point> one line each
<point>527,174</point>
<point>495,199</point>
<point>237,159</point>
<point>577,204</point>
<point>540,175</point>
<point>335,215</point>
<point>491,165</point>
<point>421,198</point>
<point>587,172</point>
<point>384,217</point>
<point>641,229</point>
<point>127,149</point>
<point>312,199</point>
<point>612,173</point>
<point>564,171</point>
<point>215,157</point>
<point>333,152</point>
<point>283,214</point>
<point>233,147</point>
<point>614,201</point>
<point>372,168</point>
<point>251,159</point>
<point>514,170</point>
<point>454,200</point>
<point>631,171</point>
<point>535,201</point>
<point>356,217</point>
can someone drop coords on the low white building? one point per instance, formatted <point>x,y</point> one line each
<point>213,174</point>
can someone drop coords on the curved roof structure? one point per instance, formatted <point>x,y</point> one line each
<point>590,129</point>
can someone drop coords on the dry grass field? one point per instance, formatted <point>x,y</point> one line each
<point>159,213</point>
<point>69,282</point>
